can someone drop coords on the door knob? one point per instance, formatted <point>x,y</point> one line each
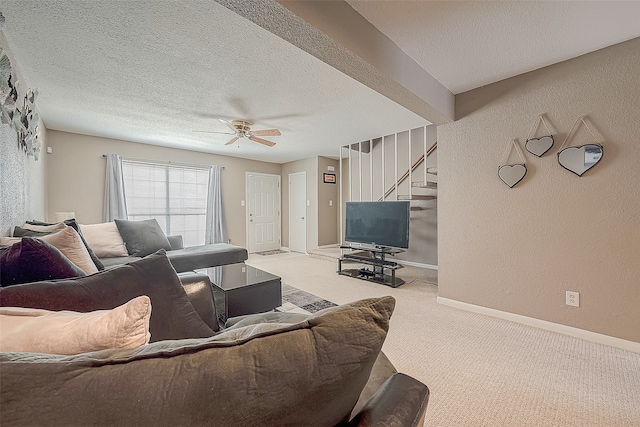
<point>250,220</point>
<point>302,218</point>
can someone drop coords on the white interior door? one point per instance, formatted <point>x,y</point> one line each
<point>263,212</point>
<point>298,212</point>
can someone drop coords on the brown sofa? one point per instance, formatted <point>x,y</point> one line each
<point>266,369</point>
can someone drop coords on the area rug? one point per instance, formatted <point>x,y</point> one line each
<point>295,300</point>
<point>272,252</point>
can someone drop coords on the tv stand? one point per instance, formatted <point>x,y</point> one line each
<point>376,258</point>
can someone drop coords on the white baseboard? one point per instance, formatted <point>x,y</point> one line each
<point>417,264</point>
<point>285,248</point>
<point>543,324</point>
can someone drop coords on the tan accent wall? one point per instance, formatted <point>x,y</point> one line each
<point>328,202</point>
<point>77,172</point>
<point>519,249</point>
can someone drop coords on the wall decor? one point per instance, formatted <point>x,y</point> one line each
<point>329,178</point>
<point>513,173</point>
<point>8,90</point>
<point>582,158</point>
<point>539,145</point>
<point>23,118</point>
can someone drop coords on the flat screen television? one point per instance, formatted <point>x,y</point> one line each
<point>378,223</point>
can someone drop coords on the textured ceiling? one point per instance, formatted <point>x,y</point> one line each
<point>468,44</point>
<point>152,71</point>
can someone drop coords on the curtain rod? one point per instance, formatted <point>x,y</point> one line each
<point>163,162</point>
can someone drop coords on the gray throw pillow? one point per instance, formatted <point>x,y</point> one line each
<point>172,315</point>
<point>142,237</point>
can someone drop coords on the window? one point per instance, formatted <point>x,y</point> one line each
<point>176,196</point>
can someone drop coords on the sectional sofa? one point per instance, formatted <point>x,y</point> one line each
<point>126,346</point>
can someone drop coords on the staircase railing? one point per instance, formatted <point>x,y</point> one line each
<point>406,173</point>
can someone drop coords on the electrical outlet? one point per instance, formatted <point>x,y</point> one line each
<point>573,298</point>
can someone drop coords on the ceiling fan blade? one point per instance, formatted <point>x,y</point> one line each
<point>212,131</point>
<point>262,141</point>
<point>228,124</point>
<point>266,132</point>
<point>232,141</point>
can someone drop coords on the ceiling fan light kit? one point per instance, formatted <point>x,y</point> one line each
<point>242,129</point>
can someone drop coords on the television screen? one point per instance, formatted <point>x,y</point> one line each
<point>378,223</point>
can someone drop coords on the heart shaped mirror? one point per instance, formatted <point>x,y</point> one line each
<point>512,174</point>
<point>539,146</point>
<point>580,159</point>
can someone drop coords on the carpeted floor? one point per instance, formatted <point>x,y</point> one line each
<point>484,371</point>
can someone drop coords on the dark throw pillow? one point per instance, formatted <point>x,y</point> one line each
<point>172,315</point>
<point>142,237</point>
<point>32,260</point>
<point>21,232</point>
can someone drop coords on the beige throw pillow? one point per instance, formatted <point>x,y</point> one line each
<point>68,242</point>
<point>68,332</point>
<point>104,239</point>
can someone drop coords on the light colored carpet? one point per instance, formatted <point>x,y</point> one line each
<point>484,371</point>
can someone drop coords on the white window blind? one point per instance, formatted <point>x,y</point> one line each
<point>176,196</point>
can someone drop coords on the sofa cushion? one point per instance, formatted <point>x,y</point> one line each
<point>31,260</point>
<point>142,237</point>
<point>304,374</point>
<point>31,227</point>
<point>104,238</point>
<point>204,256</point>
<point>173,316</point>
<point>119,260</point>
<point>69,332</point>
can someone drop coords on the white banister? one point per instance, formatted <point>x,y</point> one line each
<point>424,134</point>
<point>384,168</point>
<point>410,168</point>
<point>360,170</point>
<point>395,156</point>
<point>371,169</point>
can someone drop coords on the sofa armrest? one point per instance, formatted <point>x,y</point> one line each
<point>400,402</point>
<point>175,242</point>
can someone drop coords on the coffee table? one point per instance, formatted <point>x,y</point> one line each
<point>242,289</point>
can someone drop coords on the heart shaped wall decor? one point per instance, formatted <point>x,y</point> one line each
<point>539,146</point>
<point>512,174</point>
<point>580,159</point>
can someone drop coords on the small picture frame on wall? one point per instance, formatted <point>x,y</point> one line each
<point>329,178</point>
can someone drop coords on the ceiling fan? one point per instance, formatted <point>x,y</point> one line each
<point>242,129</point>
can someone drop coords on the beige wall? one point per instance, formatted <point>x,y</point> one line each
<point>518,250</point>
<point>328,202</point>
<point>22,179</point>
<point>77,171</point>
<point>310,166</point>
